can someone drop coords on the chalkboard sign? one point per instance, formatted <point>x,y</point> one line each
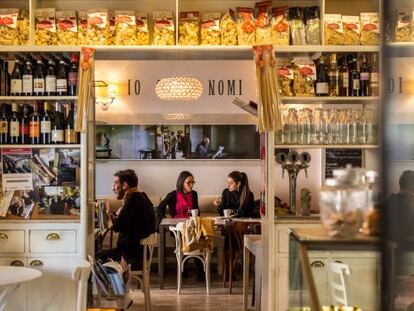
<point>339,158</point>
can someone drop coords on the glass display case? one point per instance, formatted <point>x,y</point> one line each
<point>313,282</point>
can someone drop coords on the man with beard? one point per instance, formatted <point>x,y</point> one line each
<point>134,221</point>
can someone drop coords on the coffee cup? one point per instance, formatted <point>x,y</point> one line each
<point>194,212</point>
<point>227,212</point>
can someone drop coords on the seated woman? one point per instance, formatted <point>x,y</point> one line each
<point>237,196</point>
<point>180,202</point>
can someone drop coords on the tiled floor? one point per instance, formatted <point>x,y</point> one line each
<point>193,295</point>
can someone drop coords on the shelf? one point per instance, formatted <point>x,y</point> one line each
<point>326,146</point>
<point>40,98</point>
<point>400,49</point>
<point>184,52</point>
<point>342,100</point>
<point>62,146</point>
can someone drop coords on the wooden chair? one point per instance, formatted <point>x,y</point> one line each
<point>143,276</point>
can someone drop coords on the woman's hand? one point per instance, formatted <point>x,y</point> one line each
<point>217,202</point>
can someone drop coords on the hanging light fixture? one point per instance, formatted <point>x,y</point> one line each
<point>179,89</point>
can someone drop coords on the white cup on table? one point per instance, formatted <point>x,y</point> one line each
<point>194,212</point>
<point>227,212</point>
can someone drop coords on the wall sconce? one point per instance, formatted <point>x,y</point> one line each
<point>105,93</point>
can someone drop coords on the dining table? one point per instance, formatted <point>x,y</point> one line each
<point>11,278</point>
<point>219,222</point>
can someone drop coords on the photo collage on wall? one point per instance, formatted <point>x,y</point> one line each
<point>46,179</point>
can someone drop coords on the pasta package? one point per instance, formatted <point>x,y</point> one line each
<point>370,30</point>
<point>143,34</point>
<point>245,26</point>
<point>164,30</point>
<point>125,28</point>
<point>210,29</point>
<point>304,77</point>
<point>82,27</point>
<point>23,23</point>
<point>263,23</point>
<point>45,33</point>
<point>280,26</point>
<point>67,27</point>
<point>9,30</point>
<point>98,32</point>
<point>334,33</point>
<point>228,29</point>
<point>352,30</point>
<point>403,27</point>
<point>285,77</point>
<point>313,25</point>
<point>297,26</point>
<point>189,28</point>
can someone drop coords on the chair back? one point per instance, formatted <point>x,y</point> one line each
<point>234,234</point>
<point>149,244</point>
<point>338,290</point>
<point>176,230</point>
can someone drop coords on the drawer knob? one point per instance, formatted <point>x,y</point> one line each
<point>53,236</point>
<point>3,236</point>
<point>317,264</point>
<point>36,263</point>
<point>17,263</point>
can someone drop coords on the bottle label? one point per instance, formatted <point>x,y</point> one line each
<point>322,88</point>
<point>16,86</point>
<point>364,76</point>
<point>70,136</point>
<point>345,79</point>
<point>355,84</point>
<point>27,84</point>
<point>57,135</point>
<point>38,85</point>
<point>73,78</point>
<point>61,85</point>
<point>4,128</point>
<point>50,83</point>
<point>14,128</point>
<point>34,129</point>
<point>45,127</point>
<point>374,77</point>
<point>24,129</point>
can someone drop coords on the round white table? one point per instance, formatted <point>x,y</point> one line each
<point>10,280</point>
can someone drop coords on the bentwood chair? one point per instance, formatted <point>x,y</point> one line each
<point>182,257</point>
<point>143,276</point>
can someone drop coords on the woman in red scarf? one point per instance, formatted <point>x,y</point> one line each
<point>180,202</point>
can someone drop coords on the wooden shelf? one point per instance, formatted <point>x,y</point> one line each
<point>329,100</point>
<point>326,146</point>
<point>61,146</point>
<point>40,98</point>
<point>400,49</point>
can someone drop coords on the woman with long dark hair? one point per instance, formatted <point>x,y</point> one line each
<point>237,196</point>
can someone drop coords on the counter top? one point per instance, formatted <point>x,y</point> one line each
<point>314,218</point>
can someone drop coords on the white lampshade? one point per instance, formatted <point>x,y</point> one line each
<point>179,89</point>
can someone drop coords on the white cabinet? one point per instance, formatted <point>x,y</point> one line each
<point>52,241</point>
<point>11,241</point>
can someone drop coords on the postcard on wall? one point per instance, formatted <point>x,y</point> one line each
<point>17,174</point>
<point>68,166</point>
<point>22,204</point>
<point>5,200</point>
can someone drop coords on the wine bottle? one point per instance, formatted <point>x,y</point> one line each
<point>70,134</point>
<point>51,78</point>
<point>373,89</point>
<point>6,77</point>
<point>28,78</point>
<point>73,75</point>
<point>24,126</point>
<point>4,125</point>
<point>322,79</point>
<point>58,126</point>
<point>34,125</point>
<point>333,77</point>
<point>39,79</point>
<point>364,77</point>
<point>355,77</point>
<point>45,125</point>
<point>344,78</point>
<point>2,81</point>
<point>15,125</point>
<point>16,87</point>
<point>61,79</point>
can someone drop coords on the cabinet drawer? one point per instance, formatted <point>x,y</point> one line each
<point>11,241</point>
<point>52,241</point>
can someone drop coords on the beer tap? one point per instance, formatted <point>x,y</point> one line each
<point>293,163</point>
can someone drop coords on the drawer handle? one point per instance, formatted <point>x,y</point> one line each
<point>53,237</point>
<point>317,264</point>
<point>36,263</point>
<point>17,263</point>
<point>3,236</point>
<point>338,261</point>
